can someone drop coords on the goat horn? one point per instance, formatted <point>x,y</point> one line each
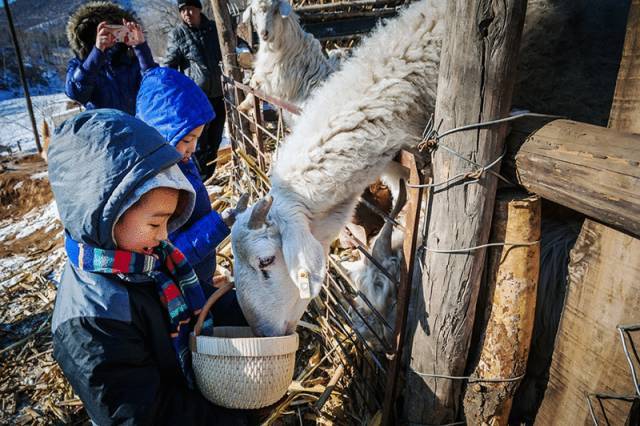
<point>382,247</point>
<point>259,214</point>
<point>242,203</point>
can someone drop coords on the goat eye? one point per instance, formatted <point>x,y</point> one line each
<point>266,261</point>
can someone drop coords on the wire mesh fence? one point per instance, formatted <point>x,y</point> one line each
<point>355,336</point>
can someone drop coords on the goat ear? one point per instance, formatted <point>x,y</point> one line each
<point>305,258</point>
<point>285,8</point>
<point>246,15</point>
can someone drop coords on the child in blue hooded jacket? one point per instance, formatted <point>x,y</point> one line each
<point>178,109</point>
<point>127,299</point>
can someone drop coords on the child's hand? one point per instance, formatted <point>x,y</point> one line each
<point>104,38</point>
<point>135,36</point>
<point>229,215</point>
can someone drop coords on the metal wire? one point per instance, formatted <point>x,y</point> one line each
<point>468,249</point>
<point>470,379</point>
<point>474,174</point>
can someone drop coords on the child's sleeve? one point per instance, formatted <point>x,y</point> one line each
<point>82,76</point>
<point>111,369</point>
<point>201,239</point>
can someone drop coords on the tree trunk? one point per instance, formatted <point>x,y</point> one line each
<point>512,281</point>
<point>591,169</point>
<point>475,84</point>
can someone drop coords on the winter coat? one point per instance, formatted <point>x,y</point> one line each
<point>111,332</point>
<point>196,52</point>
<point>172,104</point>
<point>107,79</point>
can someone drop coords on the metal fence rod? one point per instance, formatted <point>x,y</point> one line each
<point>380,213</point>
<point>23,78</point>
<point>363,249</point>
<point>353,306</point>
<point>345,316</point>
<point>357,292</point>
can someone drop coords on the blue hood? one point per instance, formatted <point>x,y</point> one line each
<point>96,161</point>
<point>172,103</point>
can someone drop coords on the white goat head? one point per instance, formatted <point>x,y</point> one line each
<point>378,288</point>
<point>267,17</point>
<point>279,267</point>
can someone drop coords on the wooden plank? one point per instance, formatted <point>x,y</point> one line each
<point>475,84</point>
<point>588,168</point>
<point>603,292</point>
<point>513,281</point>
<point>409,259</point>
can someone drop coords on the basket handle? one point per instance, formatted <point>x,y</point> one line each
<point>207,306</point>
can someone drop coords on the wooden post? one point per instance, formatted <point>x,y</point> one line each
<point>512,281</point>
<point>604,292</point>
<point>227,38</point>
<point>475,84</point>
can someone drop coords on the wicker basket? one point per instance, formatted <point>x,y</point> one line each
<point>234,369</point>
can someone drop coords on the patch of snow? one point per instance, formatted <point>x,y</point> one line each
<point>40,175</point>
<point>16,132</point>
<point>37,219</point>
<point>18,185</point>
<point>14,268</point>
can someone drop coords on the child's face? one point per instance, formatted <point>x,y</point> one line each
<point>187,145</point>
<point>144,225</point>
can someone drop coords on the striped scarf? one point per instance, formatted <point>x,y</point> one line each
<point>176,282</point>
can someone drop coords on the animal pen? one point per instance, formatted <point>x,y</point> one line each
<point>371,376</point>
<point>541,154</point>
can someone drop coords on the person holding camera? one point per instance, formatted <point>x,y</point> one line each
<point>111,55</point>
<point>194,49</point>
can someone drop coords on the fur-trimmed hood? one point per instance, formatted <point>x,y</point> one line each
<point>82,25</point>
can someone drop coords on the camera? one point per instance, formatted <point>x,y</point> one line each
<point>120,32</point>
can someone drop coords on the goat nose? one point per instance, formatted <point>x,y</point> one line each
<point>264,34</point>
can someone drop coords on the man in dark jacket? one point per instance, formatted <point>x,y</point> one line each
<point>105,73</point>
<point>116,328</point>
<point>194,49</point>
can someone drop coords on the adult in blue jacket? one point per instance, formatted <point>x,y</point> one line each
<point>104,73</point>
<point>178,109</point>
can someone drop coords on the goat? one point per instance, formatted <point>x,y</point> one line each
<point>350,129</point>
<point>377,287</point>
<point>290,62</point>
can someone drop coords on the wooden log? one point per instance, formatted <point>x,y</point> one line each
<point>603,292</point>
<point>512,280</point>
<point>475,84</point>
<point>587,168</point>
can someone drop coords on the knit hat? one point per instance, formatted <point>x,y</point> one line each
<point>194,3</point>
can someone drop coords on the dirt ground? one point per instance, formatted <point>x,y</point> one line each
<point>33,390</point>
